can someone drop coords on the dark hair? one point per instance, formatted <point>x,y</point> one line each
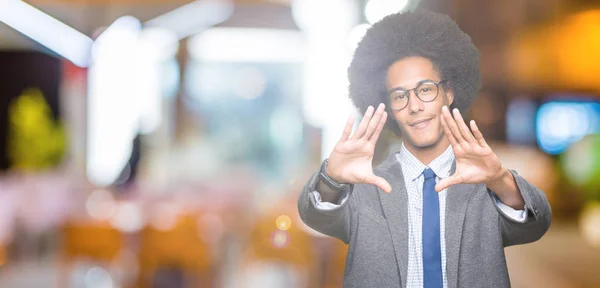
<point>420,33</point>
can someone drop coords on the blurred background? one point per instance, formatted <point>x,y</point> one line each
<point>163,143</point>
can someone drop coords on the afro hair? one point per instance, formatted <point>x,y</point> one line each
<point>420,33</point>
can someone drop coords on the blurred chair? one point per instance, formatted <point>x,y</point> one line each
<point>175,256</point>
<point>96,241</point>
<point>275,257</point>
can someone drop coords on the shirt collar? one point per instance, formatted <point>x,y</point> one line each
<point>441,165</point>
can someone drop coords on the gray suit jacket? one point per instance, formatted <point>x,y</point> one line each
<point>375,225</point>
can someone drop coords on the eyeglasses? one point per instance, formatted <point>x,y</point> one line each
<point>426,91</point>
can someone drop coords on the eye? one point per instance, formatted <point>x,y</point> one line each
<point>424,90</point>
<point>400,96</point>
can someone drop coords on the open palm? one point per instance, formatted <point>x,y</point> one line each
<point>475,160</point>
<point>351,159</point>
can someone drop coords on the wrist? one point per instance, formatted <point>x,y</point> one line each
<point>507,191</point>
<point>503,184</point>
<point>331,182</point>
<point>328,173</point>
<point>499,178</point>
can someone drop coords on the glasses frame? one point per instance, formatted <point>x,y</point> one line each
<point>437,86</point>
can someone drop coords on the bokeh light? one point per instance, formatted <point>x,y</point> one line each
<point>164,216</point>
<point>128,217</point>
<point>581,165</point>
<point>283,222</point>
<point>100,205</point>
<point>97,277</point>
<point>559,124</point>
<point>590,224</point>
<point>280,239</point>
<point>376,10</point>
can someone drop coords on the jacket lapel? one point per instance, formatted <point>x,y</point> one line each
<point>457,199</point>
<point>396,212</point>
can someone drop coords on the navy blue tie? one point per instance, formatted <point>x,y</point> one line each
<point>432,255</point>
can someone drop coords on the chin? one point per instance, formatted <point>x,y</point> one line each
<point>424,142</point>
<point>422,139</point>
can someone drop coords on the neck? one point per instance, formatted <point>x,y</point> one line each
<point>427,154</point>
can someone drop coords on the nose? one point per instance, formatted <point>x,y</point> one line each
<point>414,103</point>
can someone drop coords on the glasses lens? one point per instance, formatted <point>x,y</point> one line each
<point>427,91</point>
<point>398,99</point>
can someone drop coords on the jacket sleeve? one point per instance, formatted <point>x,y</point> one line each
<point>538,215</point>
<point>334,221</point>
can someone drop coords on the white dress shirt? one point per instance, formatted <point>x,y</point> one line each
<point>413,169</point>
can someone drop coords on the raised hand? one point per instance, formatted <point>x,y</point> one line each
<point>475,160</point>
<point>351,159</point>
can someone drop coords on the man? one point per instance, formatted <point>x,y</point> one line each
<point>439,212</point>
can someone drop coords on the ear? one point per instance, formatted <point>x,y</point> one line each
<point>449,94</point>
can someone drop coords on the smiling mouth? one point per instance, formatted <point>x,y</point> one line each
<point>419,122</point>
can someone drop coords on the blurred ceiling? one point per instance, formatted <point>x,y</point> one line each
<point>87,16</point>
<point>493,25</point>
<point>84,16</point>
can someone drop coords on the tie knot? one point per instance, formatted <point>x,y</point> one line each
<point>428,173</point>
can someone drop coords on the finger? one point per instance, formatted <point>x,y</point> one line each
<point>447,182</point>
<point>375,135</point>
<point>462,126</point>
<point>362,127</point>
<point>374,121</point>
<point>379,182</point>
<point>348,128</point>
<point>448,133</point>
<point>452,124</point>
<point>478,135</point>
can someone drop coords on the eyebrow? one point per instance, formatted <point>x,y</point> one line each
<point>418,83</point>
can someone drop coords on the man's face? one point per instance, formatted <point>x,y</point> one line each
<point>407,74</point>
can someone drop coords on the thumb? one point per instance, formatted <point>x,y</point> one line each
<point>447,182</point>
<point>380,182</point>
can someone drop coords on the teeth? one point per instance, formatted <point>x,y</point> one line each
<point>417,124</point>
